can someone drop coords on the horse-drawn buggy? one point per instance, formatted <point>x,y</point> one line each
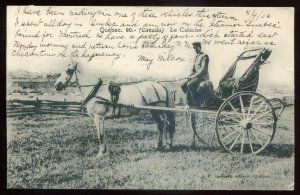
<point>233,116</point>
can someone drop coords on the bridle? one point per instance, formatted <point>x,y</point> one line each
<point>71,72</point>
<point>74,71</point>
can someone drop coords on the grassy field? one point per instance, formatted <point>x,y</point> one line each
<point>52,151</point>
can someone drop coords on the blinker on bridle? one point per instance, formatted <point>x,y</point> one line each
<point>71,72</point>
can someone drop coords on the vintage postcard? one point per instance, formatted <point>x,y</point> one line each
<point>181,98</point>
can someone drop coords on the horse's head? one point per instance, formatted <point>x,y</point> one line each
<point>67,77</point>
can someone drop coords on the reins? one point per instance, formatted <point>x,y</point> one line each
<point>124,83</point>
<point>97,86</point>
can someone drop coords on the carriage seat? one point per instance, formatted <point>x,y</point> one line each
<point>206,94</point>
<point>227,87</point>
<point>208,97</point>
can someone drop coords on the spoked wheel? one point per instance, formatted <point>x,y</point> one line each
<point>203,125</point>
<point>245,123</point>
<point>277,105</point>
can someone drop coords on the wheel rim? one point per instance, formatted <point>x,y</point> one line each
<point>203,125</point>
<point>245,123</point>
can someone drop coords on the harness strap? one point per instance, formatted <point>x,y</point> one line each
<point>167,95</point>
<point>158,97</point>
<point>77,81</point>
<point>103,101</point>
<point>93,93</point>
<point>143,97</point>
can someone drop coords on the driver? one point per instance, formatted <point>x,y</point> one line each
<point>198,74</point>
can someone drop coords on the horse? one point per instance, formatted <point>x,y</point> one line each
<point>98,102</point>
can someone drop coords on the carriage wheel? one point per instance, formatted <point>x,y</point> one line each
<point>277,105</point>
<point>245,123</point>
<point>203,126</point>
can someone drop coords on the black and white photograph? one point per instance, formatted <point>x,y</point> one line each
<point>150,98</point>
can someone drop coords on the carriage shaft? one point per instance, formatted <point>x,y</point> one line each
<point>193,110</point>
<point>159,108</point>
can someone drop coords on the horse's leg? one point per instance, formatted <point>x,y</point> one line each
<point>119,111</point>
<point>170,127</point>
<point>194,140</point>
<point>166,124</point>
<point>99,122</point>
<point>103,147</point>
<point>170,118</point>
<point>114,110</point>
<point>160,124</point>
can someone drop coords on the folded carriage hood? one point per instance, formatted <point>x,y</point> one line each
<point>265,54</point>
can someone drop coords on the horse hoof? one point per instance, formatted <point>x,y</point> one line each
<point>99,155</point>
<point>160,148</point>
<point>102,155</point>
<point>103,152</point>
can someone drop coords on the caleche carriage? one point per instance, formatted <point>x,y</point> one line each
<point>234,116</point>
<point>239,119</point>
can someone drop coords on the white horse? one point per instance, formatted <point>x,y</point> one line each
<point>98,102</point>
